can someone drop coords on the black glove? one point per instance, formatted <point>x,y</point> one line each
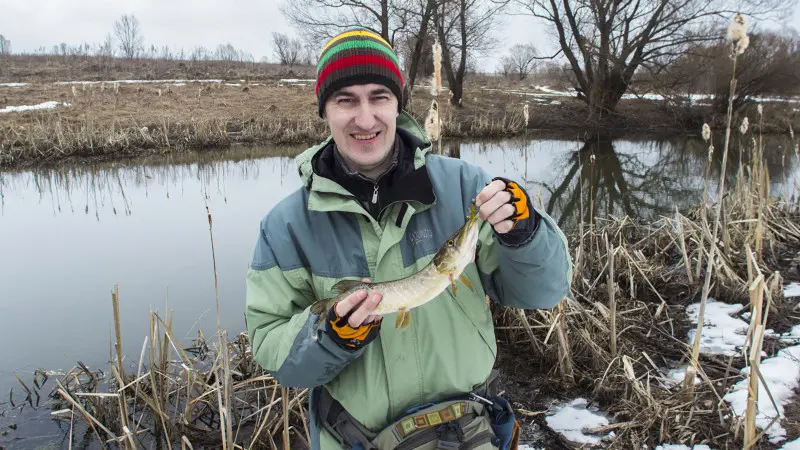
<point>347,337</point>
<point>525,218</point>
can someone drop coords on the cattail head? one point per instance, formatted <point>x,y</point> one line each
<point>744,125</point>
<point>525,114</point>
<point>432,124</point>
<point>437,67</point>
<point>742,44</point>
<point>760,109</point>
<point>737,33</point>
<point>737,29</point>
<point>706,132</point>
<point>710,152</point>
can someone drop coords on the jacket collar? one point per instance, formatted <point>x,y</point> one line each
<point>332,188</point>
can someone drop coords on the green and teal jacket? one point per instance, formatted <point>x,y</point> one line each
<point>323,233</point>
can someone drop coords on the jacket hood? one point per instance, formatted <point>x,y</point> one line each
<point>404,121</point>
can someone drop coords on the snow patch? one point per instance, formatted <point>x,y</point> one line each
<point>138,81</point>
<point>722,334</point>
<point>572,418</point>
<point>676,376</point>
<point>682,447</point>
<point>45,105</point>
<point>782,376</point>
<point>13,84</point>
<point>791,290</point>
<point>794,445</point>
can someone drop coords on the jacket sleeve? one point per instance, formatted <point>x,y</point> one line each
<point>533,275</point>
<point>284,336</point>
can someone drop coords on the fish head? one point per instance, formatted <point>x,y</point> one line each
<point>459,250</point>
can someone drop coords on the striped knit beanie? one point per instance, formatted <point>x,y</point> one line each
<point>357,56</point>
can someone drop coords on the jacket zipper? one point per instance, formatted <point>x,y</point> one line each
<point>375,194</point>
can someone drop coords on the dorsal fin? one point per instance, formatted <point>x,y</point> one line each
<point>345,285</point>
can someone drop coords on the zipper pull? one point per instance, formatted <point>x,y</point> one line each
<point>375,194</point>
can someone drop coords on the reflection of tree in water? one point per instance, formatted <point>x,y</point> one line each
<point>92,187</point>
<point>778,153</point>
<point>602,179</point>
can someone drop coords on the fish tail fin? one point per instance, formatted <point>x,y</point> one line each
<point>320,307</point>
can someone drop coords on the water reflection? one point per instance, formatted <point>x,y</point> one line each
<point>587,180</point>
<point>100,189</point>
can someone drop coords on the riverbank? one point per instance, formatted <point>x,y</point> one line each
<point>51,121</point>
<point>614,353</point>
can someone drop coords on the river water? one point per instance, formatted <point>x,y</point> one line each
<point>68,234</point>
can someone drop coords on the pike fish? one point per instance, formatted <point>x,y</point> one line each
<point>404,294</point>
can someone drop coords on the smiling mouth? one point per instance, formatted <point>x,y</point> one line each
<point>365,137</point>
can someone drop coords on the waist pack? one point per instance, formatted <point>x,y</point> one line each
<point>480,420</point>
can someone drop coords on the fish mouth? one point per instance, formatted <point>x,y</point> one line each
<point>469,233</point>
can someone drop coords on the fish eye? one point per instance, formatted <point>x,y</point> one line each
<point>450,243</point>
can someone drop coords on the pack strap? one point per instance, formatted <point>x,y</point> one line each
<point>350,432</point>
<point>341,424</point>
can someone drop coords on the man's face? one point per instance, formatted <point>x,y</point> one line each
<point>362,122</point>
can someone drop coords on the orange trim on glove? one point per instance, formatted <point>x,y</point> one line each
<point>348,333</point>
<point>519,200</point>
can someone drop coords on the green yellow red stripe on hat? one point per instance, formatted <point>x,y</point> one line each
<point>357,56</point>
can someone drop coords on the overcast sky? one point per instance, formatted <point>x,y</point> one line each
<point>246,24</point>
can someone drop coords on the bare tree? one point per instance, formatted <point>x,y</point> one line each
<point>226,52</point>
<point>520,61</point>
<point>770,66</point>
<point>418,14</point>
<point>131,41</point>
<point>463,27</point>
<point>288,50</point>
<point>5,46</point>
<point>607,41</point>
<point>323,19</point>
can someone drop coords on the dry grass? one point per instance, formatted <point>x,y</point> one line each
<point>133,119</point>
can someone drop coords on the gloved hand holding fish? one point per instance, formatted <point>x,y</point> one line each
<point>410,292</point>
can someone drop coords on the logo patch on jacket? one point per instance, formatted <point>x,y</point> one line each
<point>419,237</point>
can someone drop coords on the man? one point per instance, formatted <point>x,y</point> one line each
<point>376,205</point>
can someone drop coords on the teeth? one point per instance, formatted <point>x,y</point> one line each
<point>365,137</point>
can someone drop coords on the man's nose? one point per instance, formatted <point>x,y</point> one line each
<point>365,116</point>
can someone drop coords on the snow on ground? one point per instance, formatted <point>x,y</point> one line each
<point>295,80</point>
<point>791,290</point>
<point>139,81</point>
<point>676,376</point>
<point>794,445</point>
<point>722,334</point>
<point>782,375</point>
<point>793,336</point>
<point>570,419</point>
<point>682,447</point>
<point>45,105</point>
<point>13,84</point>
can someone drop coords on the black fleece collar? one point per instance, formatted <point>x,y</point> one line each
<point>401,183</point>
